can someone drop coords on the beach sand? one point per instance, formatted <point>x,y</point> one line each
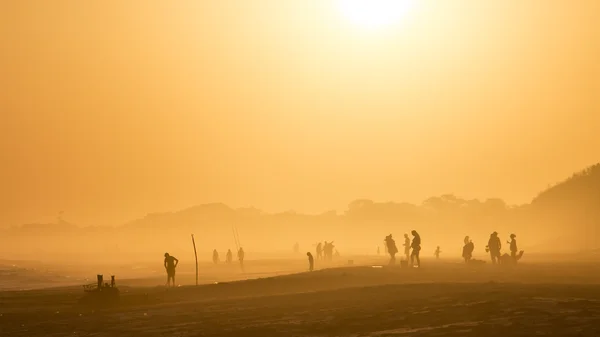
<point>439,299</point>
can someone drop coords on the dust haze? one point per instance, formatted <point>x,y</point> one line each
<point>277,168</point>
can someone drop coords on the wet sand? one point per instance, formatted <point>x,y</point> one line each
<point>440,299</point>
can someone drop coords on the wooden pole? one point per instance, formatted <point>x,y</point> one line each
<point>235,238</point>
<point>196,255</point>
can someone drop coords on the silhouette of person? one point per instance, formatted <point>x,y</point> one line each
<point>328,250</point>
<point>241,255</point>
<point>416,248</point>
<point>406,246</point>
<point>513,247</point>
<point>319,251</point>
<point>229,256</point>
<point>215,256</point>
<point>378,252</point>
<point>296,248</point>
<point>170,263</point>
<point>468,249</point>
<point>494,246</point>
<point>311,261</point>
<point>391,248</point>
<point>437,253</point>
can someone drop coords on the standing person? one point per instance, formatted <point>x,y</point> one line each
<point>215,256</point>
<point>406,246</point>
<point>513,247</point>
<point>468,249</point>
<point>378,252</point>
<point>328,250</point>
<point>416,248</point>
<point>241,256</point>
<point>494,246</point>
<point>311,261</point>
<point>229,256</point>
<point>319,251</point>
<point>391,248</point>
<point>437,253</point>
<point>170,263</point>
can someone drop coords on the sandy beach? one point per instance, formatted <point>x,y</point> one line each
<point>440,299</point>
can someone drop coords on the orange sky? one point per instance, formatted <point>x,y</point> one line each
<point>112,109</point>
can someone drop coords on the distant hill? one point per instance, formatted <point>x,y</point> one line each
<point>579,191</point>
<point>566,216</point>
<point>572,208</point>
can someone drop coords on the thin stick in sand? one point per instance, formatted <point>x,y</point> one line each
<point>196,255</point>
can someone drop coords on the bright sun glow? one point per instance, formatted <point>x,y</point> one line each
<point>374,13</point>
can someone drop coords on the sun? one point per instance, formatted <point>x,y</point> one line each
<point>373,14</point>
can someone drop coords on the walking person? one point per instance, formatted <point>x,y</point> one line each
<point>391,248</point>
<point>416,249</point>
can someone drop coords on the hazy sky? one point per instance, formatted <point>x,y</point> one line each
<point>112,109</point>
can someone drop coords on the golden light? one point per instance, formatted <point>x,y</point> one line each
<point>374,13</point>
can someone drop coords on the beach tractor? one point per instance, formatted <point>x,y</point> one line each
<point>101,293</point>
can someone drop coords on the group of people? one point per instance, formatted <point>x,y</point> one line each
<point>494,247</point>
<point>411,249</point>
<point>171,262</point>
<point>325,251</point>
<point>229,256</point>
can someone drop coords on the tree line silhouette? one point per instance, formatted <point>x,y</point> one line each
<point>566,212</point>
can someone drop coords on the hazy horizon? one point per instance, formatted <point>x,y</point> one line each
<point>65,215</point>
<point>299,168</point>
<point>112,110</point>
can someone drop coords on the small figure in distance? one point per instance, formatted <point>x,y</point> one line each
<point>468,249</point>
<point>296,248</point>
<point>229,256</point>
<point>391,248</point>
<point>406,246</point>
<point>328,250</point>
<point>513,247</point>
<point>171,263</point>
<point>241,255</point>
<point>215,256</point>
<point>378,252</point>
<point>319,251</point>
<point>494,246</point>
<point>437,253</point>
<point>416,248</point>
<point>311,261</point>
